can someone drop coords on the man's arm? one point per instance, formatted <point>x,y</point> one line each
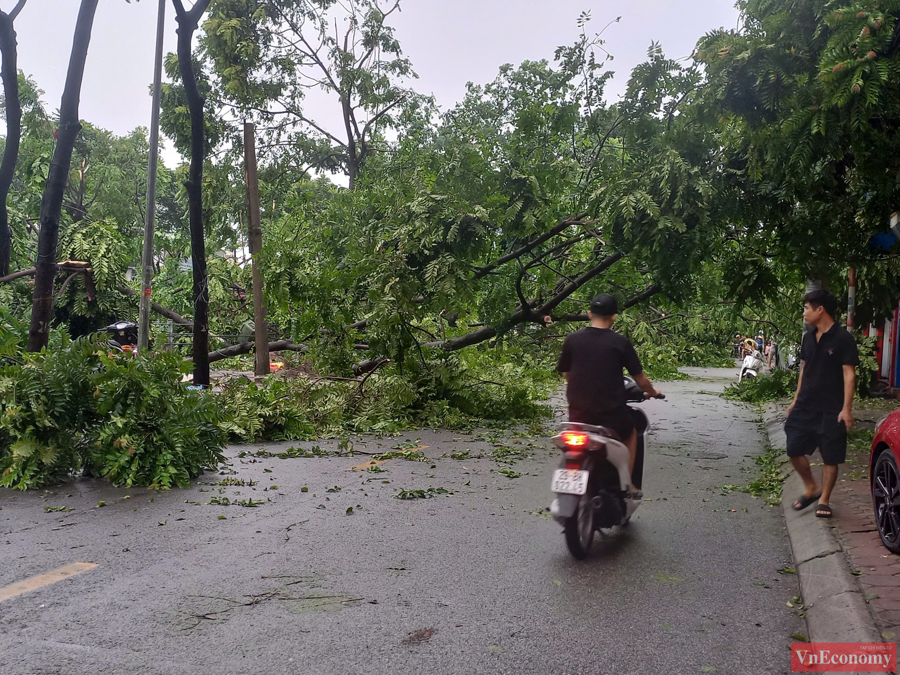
<point>796,393</point>
<point>644,383</point>
<point>846,415</point>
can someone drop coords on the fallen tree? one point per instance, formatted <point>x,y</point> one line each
<point>247,347</point>
<point>158,308</point>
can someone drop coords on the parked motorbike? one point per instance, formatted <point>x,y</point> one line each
<point>123,336</point>
<point>752,366</point>
<point>592,485</point>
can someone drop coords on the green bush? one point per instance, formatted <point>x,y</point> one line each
<point>868,366</point>
<point>78,408</point>
<point>660,363</point>
<point>764,389</point>
<point>443,393</point>
<point>151,429</point>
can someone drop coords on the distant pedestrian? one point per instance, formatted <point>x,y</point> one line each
<point>822,410</point>
<point>772,354</point>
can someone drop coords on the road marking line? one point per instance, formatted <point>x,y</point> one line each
<point>34,583</point>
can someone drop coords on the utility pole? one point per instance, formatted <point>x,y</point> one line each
<point>254,238</point>
<point>150,213</point>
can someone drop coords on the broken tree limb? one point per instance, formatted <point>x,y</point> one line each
<point>30,272</point>
<point>247,347</point>
<point>158,308</point>
<point>64,266</point>
<point>647,293</point>
<point>575,284</point>
<point>277,346</point>
<point>74,267</point>
<point>571,220</point>
<point>526,314</point>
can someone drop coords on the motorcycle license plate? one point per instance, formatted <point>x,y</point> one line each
<point>569,482</point>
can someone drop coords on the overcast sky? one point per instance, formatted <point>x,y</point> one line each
<point>450,42</point>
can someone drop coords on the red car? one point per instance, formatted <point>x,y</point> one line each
<point>884,478</point>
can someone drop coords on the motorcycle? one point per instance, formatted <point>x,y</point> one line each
<point>123,336</point>
<point>752,365</point>
<point>592,485</point>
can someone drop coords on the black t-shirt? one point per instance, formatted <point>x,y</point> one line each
<point>594,359</point>
<point>822,388</point>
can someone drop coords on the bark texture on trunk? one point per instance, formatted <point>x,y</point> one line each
<point>188,21</point>
<point>51,202</point>
<point>9,72</point>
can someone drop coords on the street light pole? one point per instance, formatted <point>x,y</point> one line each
<point>150,213</point>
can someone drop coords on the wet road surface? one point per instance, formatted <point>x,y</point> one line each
<point>474,581</point>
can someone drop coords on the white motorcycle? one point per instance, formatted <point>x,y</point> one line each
<point>592,485</point>
<point>752,366</point>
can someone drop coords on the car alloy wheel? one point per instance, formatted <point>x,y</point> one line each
<point>886,498</point>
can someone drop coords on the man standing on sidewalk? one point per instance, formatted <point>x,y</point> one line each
<point>822,410</point>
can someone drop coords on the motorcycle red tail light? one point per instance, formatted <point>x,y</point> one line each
<point>574,439</point>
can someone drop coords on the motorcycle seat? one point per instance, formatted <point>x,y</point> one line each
<point>609,433</point>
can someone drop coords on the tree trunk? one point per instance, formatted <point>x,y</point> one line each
<point>51,202</point>
<point>10,75</point>
<point>352,158</point>
<point>187,24</point>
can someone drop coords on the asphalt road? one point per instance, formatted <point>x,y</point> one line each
<point>475,581</point>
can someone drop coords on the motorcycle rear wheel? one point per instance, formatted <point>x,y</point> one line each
<point>579,530</point>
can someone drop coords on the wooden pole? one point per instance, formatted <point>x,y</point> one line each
<point>254,238</point>
<point>150,213</point>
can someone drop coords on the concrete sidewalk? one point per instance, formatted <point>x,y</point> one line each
<point>836,606</point>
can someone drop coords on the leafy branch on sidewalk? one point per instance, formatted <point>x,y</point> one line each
<point>770,480</point>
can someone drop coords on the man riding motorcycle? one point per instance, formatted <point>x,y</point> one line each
<point>592,360</point>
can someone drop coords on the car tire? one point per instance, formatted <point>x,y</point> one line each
<point>886,499</point>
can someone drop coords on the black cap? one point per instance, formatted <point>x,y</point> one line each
<point>604,305</point>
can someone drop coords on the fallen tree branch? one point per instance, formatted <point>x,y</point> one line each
<point>18,275</point>
<point>526,314</point>
<point>647,293</point>
<point>158,308</point>
<point>64,266</point>
<point>487,269</point>
<point>247,347</point>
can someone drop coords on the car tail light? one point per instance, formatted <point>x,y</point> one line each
<point>574,439</point>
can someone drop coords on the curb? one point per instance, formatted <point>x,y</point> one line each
<point>836,610</point>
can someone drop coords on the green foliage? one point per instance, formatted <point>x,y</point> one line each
<point>660,363</point>
<point>764,389</point>
<point>78,408</point>
<point>770,480</point>
<point>421,494</point>
<point>868,366</point>
<point>309,407</point>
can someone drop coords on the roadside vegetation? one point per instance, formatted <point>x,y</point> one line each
<point>432,281</point>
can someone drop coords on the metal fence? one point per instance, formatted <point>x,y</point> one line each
<point>179,338</point>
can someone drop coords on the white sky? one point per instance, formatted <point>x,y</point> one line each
<point>450,43</point>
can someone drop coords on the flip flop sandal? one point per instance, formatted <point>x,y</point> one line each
<point>825,511</point>
<point>802,502</point>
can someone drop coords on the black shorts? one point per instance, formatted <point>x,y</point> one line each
<point>621,421</point>
<point>807,430</point>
